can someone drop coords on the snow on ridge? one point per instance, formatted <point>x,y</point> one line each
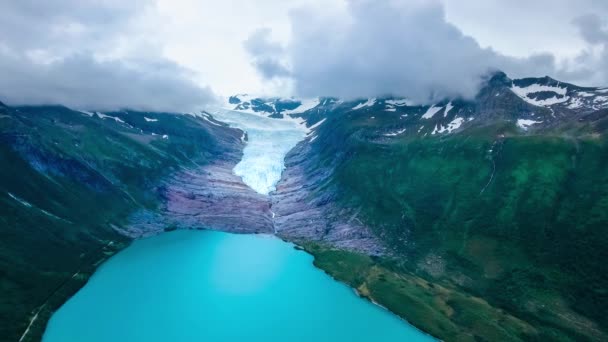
<point>601,99</point>
<point>150,120</point>
<point>398,103</point>
<point>369,103</point>
<point>575,103</point>
<point>305,105</point>
<point>585,94</point>
<point>396,133</point>
<point>448,108</point>
<point>311,128</point>
<point>390,109</point>
<point>207,118</point>
<point>244,97</point>
<point>535,88</point>
<point>453,125</point>
<point>524,92</point>
<point>525,123</point>
<point>431,112</point>
<point>103,116</point>
<point>87,112</point>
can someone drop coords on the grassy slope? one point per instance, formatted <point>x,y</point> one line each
<point>518,257</point>
<point>79,176</point>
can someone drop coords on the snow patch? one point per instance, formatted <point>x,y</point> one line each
<point>575,103</point>
<point>431,112</point>
<point>600,99</point>
<point>390,110</point>
<point>103,116</point>
<point>398,103</point>
<point>150,120</point>
<point>368,103</point>
<point>525,123</point>
<point>585,94</point>
<point>448,108</point>
<point>206,116</point>
<point>316,125</point>
<point>524,92</point>
<point>305,106</point>
<point>453,125</point>
<point>87,113</point>
<point>394,134</point>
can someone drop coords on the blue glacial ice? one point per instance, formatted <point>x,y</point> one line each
<point>268,142</point>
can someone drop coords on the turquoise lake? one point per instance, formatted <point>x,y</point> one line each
<point>212,286</point>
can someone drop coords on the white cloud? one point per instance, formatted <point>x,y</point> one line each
<point>323,43</point>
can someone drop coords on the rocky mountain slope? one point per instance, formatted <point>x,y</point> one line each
<point>73,182</point>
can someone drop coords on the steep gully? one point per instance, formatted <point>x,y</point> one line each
<point>286,203</point>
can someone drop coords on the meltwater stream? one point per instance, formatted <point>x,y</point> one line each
<point>211,286</point>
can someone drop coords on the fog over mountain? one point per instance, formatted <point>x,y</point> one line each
<point>401,48</point>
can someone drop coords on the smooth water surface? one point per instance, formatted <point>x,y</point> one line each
<point>211,286</point>
<point>268,141</point>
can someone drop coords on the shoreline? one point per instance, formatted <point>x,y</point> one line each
<point>45,312</point>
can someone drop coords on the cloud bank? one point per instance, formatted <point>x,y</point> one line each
<point>390,47</point>
<point>89,55</point>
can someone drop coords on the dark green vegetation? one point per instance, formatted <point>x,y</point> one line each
<point>67,180</point>
<point>496,234</point>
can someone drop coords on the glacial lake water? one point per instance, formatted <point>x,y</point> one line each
<point>212,286</point>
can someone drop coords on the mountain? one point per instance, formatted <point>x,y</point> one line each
<point>492,211</point>
<point>474,219</point>
<point>70,183</point>
<point>531,103</point>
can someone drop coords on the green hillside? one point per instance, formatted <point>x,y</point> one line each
<point>495,234</point>
<point>67,180</point>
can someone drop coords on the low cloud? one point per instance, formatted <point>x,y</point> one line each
<point>385,47</point>
<point>89,55</point>
<point>82,82</point>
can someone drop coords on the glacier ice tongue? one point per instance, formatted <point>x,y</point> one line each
<point>269,141</point>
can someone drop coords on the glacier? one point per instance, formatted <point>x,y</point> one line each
<point>268,142</point>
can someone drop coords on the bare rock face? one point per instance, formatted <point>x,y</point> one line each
<point>213,197</point>
<point>207,197</point>
<point>304,212</point>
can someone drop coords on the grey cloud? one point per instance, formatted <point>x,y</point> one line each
<point>270,67</point>
<point>56,53</point>
<point>394,48</point>
<point>266,54</point>
<point>84,83</point>
<point>592,28</point>
<point>44,24</point>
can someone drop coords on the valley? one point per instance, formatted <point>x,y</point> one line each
<point>479,219</point>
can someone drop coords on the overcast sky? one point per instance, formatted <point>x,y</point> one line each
<point>181,54</point>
